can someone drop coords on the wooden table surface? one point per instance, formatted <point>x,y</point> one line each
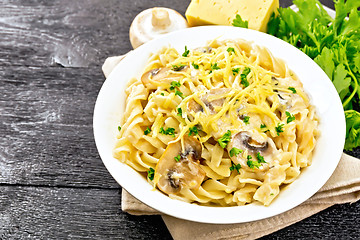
<point>53,184</point>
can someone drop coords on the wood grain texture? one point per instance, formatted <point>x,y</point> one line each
<point>69,33</point>
<point>46,135</point>
<point>53,184</point>
<point>68,213</point>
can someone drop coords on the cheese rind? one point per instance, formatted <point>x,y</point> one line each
<point>222,12</point>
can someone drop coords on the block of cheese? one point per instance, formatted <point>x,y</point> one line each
<point>222,12</point>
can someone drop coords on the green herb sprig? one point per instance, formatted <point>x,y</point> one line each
<point>333,44</point>
<point>225,139</point>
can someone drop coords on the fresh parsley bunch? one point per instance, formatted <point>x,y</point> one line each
<point>334,44</point>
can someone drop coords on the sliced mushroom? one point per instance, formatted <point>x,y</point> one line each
<point>203,49</point>
<point>185,172</point>
<point>160,75</point>
<point>209,103</point>
<point>253,143</point>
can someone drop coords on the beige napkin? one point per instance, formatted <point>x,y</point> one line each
<point>342,187</point>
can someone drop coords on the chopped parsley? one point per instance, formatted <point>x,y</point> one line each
<point>174,84</point>
<point>235,71</point>
<point>186,53</point>
<point>238,22</point>
<point>230,49</point>
<point>225,139</point>
<point>178,67</point>
<point>214,67</point>
<point>244,75</point>
<point>260,158</point>
<point>253,164</point>
<point>235,167</point>
<point>279,128</point>
<point>169,131</point>
<point>151,173</point>
<point>147,131</point>
<point>177,158</point>
<point>290,117</point>
<point>162,94</point>
<point>292,89</point>
<point>119,128</point>
<point>246,120</point>
<point>235,151</point>
<point>193,131</point>
<point>195,65</point>
<point>263,126</point>
<point>180,94</point>
<point>179,110</point>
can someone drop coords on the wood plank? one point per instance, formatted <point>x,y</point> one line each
<point>67,213</point>
<point>336,222</point>
<point>70,33</point>
<point>46,135</point>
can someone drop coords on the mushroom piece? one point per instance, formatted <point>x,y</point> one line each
<point>253,143</point>
<point>209,103</point>
<point>178,169</point>
<point>203,49</point>
<point>154,22</point>
<point>160,75</point>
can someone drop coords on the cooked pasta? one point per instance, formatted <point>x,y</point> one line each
<point>223,125</point>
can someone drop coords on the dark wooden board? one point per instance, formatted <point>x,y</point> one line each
<point>71,213</point>
<point>70,33</point>
<point>53,184</point>
<point>46,134</point>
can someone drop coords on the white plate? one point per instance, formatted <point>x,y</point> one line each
<point>110,106</point>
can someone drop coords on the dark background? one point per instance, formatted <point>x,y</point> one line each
<point>53,184</point>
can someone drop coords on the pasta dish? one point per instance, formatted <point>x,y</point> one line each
<point>223,125</point>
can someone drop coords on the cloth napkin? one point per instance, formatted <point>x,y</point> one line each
<point>342,187</point>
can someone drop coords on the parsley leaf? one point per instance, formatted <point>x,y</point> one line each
<point>235,167</point>
<point>246,120</point>
<point>177,158</point>
<point>193,131</point>
<point>334,46</point>
<point>180,94</point>
<point>179,110</point>
<point>186,53</point>
<point>292,89</point>
<point>235,71</point>
<point>195,65</point>
<point>252,164</point>
<point>169,131</point>
<point>119,128</point>
<point>151,173</point>
<point>352,129</point>
<point>174,84</point>
<point>290,117</point>
<point>214,67</point>
<point>147,131</point>
<point>238,22</point>
<point>230,49</point>
<point>244,75</point>
<point>260,158</point>
<point>162,94</point>
<point>263,126</point>
<point>225,139</point>
<point>235,151</point>
<point>279,128</point>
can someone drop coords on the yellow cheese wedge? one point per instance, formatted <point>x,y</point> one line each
<point>222,12</point>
